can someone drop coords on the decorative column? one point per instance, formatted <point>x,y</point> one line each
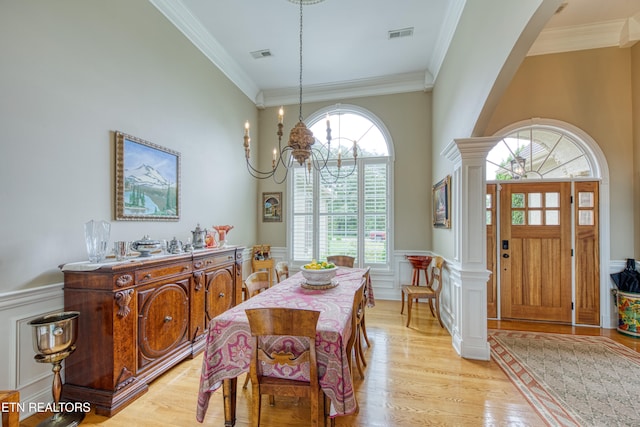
<point>468,271</point>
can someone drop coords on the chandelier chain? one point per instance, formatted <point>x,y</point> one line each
<point>300,76</point>
<point>300,147</point>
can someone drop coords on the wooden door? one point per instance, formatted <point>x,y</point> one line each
<point>535,250</point>
<point>492,283</point>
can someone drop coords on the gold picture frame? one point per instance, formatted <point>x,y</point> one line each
<point>147,178</point>
<point>272,207</point>
<point>442,203</point>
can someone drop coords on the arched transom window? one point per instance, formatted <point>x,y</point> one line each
<point>539,152</point>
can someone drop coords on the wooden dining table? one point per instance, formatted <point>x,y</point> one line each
<point>228,349</point>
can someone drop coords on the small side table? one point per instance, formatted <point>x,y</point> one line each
<point>9,400</point>
<point>263,264</point>
<point>419,263</point>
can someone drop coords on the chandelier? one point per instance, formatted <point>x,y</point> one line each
<point>302,148</point>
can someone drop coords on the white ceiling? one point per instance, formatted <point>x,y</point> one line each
<point>346,49</point>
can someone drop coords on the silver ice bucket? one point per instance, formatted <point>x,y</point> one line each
<point>54,333</point>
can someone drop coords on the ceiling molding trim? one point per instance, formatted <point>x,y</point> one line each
<point>448,29</point>
<point>630,33</point>
<point>581,37</point>
<point>182,18</point>
<point>400,83</point>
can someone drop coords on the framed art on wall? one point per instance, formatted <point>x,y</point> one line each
<point>442,203</point>
<point>272,207</point>
<point>147,180</point>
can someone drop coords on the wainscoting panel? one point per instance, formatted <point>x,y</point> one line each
<point>19,369</point>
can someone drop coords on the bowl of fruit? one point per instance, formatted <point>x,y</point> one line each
<point>319,273</point>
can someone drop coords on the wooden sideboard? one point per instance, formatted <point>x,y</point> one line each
<point>140,317</point>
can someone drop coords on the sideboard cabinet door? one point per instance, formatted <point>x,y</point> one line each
<point>163,321</point>
<point>220,291</point>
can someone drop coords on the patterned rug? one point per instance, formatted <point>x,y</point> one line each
<point>572,380</point>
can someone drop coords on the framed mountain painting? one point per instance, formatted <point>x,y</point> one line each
<point>147,180</point>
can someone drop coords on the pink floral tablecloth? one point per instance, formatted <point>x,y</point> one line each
<point>228,349</point>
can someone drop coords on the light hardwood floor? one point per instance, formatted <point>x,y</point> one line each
<point>414,378</point>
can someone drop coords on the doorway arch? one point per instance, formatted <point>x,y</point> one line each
<point>598,170</point>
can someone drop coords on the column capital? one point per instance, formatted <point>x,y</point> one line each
<point>469,148</point>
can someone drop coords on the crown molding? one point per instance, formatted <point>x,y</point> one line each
<point>178,14</point>
<point>591,36</point>
<point>630,31</point>
<point>400,83</point>
<point>446,35</point>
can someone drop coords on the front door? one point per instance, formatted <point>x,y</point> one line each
<point>535,251</point>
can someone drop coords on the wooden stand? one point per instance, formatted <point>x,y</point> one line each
<point>266,263</point>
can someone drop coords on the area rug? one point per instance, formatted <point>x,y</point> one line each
<point>572,380</point>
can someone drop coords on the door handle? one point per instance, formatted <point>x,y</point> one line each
<point>505,255</point>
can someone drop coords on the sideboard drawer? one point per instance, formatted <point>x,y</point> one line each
<point>150,274</point>
<point>212,261</point>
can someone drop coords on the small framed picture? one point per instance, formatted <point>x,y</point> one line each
<point>442,203</point>
<point>272,207</point>
<point>147,181</point>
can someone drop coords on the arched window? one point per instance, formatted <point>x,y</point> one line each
<point>540,152</point>
<point>348,216</point>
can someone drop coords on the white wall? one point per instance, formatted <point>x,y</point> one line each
<point>491,41</point>
<point>72,72</point>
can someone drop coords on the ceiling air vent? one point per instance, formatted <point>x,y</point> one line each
<point>265,53</point>
<point>396,34</point>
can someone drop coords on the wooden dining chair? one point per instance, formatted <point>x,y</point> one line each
<point>431,292</point>
<point>282,271</point>
<point>253,285</point>
<point>354,343</point>
<point>342,260</point>
<point>277,321</point>
<point>363,326</point>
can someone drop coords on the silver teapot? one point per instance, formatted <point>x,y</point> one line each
<point>199,236</point>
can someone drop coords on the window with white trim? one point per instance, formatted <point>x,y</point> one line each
<point>350,215</point>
